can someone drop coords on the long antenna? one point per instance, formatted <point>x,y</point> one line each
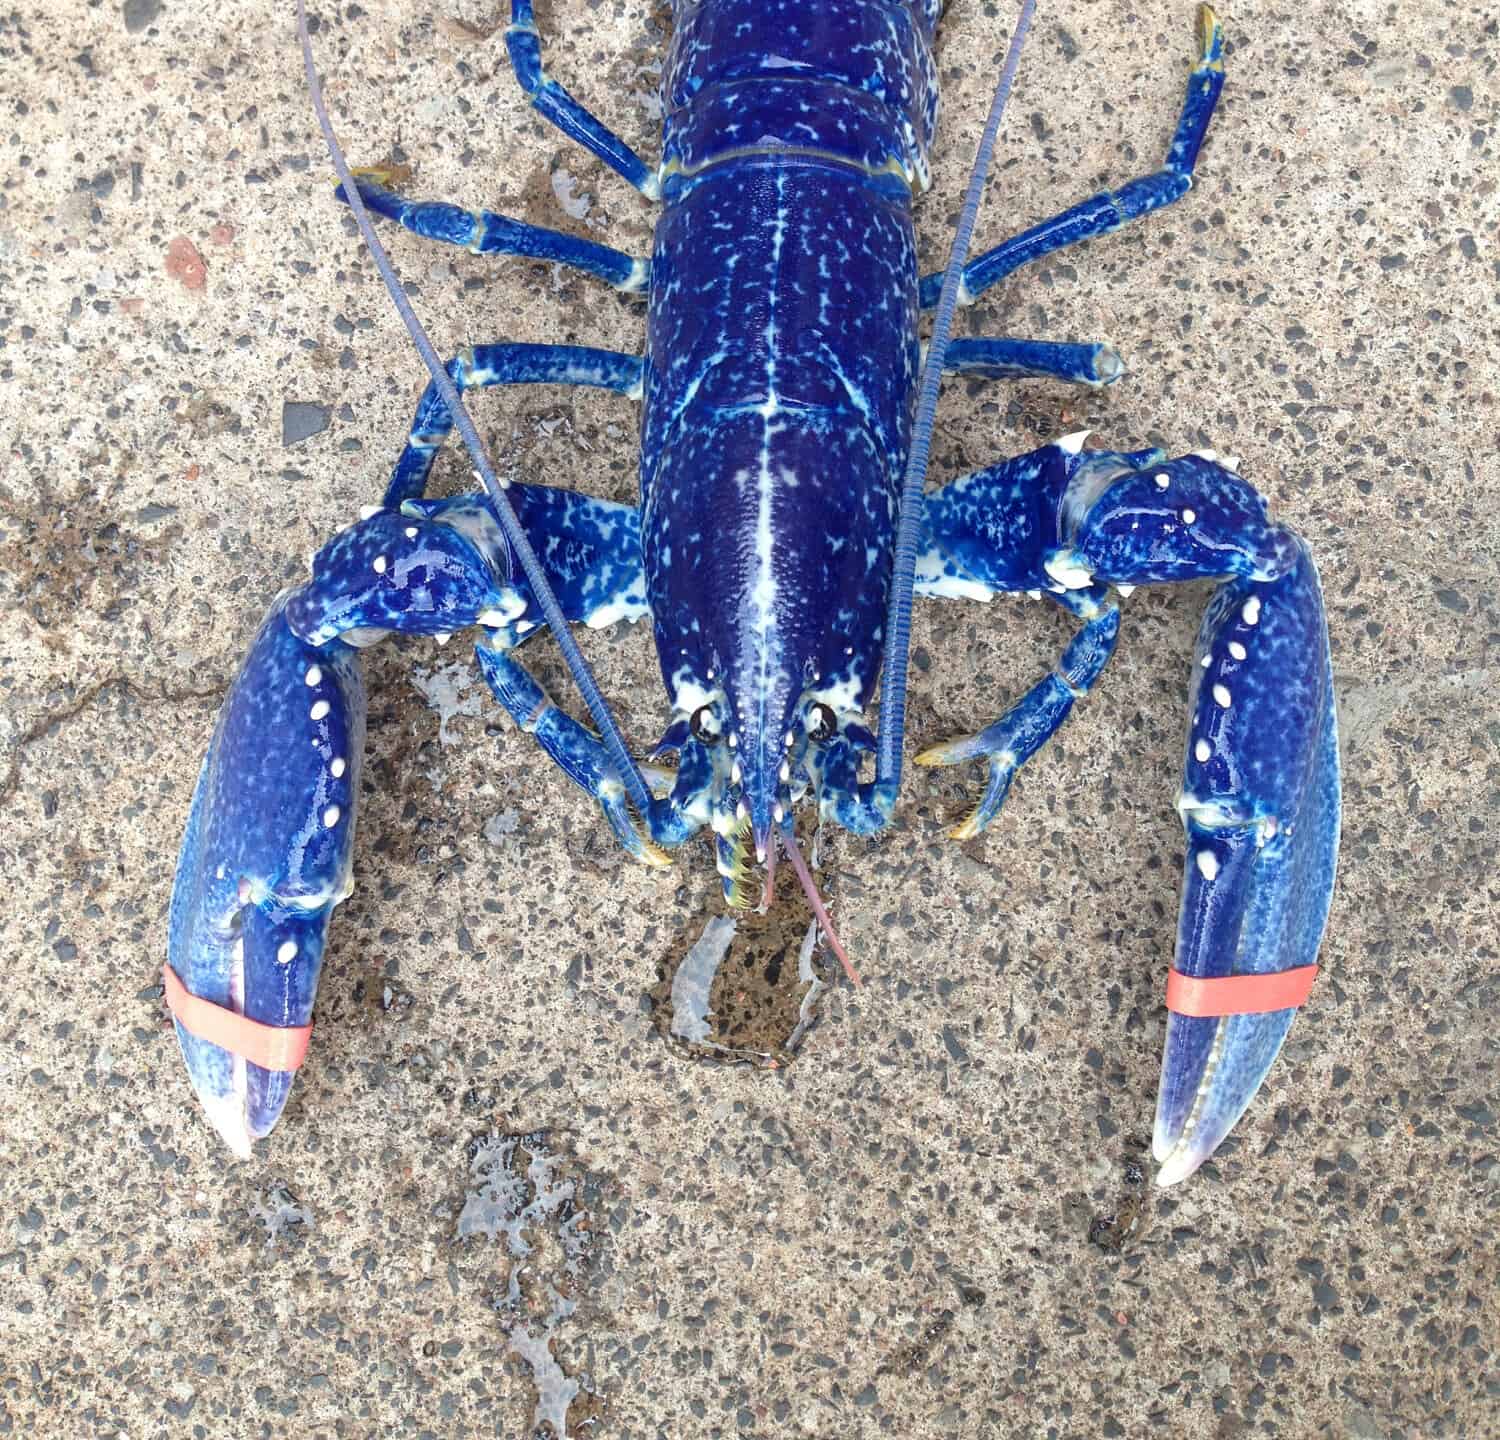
<point>898,620</point>
<point>598,707</point>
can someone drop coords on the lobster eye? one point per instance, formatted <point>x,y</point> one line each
<point>705,725</point>
<point>822,723</point>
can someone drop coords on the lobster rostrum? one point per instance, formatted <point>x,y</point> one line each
<point>778,382</point>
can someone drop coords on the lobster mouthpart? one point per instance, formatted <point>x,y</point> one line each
<point>265,859</point>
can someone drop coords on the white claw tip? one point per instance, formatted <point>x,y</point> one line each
<point>1177,1167</point>
<point>1073,443</point>
<point>368,512</point>
<point>1208,864</point>
<point>226,1113</point>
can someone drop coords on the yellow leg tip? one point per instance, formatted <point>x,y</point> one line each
<point>654,856</point>
<point>1208,33</point>
<point>967,828</point>
<point>389,177</point>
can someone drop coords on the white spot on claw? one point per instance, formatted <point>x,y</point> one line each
<point>1208,864</point>
<point>1162,479</point>
<point>1251,613</point>
<point>1237,650</point>
<point>287,953</point>
<point>1203,752</point>
<point>1221,696</point>
<point>314,675</point>
<point>411,532</point>
<point>1206,661</point>
<point>331,817</point>
<point>1188,516</point>
<point>319,709</point>
<point>380,564</point>
<point>337,769</point>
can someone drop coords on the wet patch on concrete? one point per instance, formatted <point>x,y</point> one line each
<point>527,1194</point>
<point>1125,1225</point>
<point>748,991</point>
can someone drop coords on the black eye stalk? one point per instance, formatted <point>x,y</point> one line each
<point>822,723</point>
<point>705,725</point>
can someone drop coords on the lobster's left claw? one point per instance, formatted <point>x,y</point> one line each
<point>1261,807</point>
<point>265,858</point>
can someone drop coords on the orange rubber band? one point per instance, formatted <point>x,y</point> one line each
<point>1239,994</point>
<point>272,1047</point>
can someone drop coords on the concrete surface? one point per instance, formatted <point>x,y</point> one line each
<point>892,1235</point>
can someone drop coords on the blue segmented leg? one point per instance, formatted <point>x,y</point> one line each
<point>1261,795</point>
<point>1093,365</point>
<point>1261,809</point>
<point>267,852</point>
<point>502,364</point>
<point>1035,718</point>
<point>483,232</point>
<point>549,98</point>
<point>1111,210</point>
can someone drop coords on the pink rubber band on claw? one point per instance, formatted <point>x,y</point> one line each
<point>1239,994</point>
<point>272,1047</point>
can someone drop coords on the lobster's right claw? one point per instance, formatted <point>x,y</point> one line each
<point>266,857</point>
<point>1261,808</point>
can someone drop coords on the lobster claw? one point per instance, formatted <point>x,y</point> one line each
<point>1261,809</point>
<point>266,857</point>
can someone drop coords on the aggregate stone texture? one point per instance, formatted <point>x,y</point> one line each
<point>927,1225</point>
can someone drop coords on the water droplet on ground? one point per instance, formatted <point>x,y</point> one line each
<point>748,991</point>
<point>281,1216</point>
<point>526,1195</point>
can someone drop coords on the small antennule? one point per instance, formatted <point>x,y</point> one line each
<point>819,909</point>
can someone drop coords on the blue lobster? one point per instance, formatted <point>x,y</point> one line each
<point>779,382</point>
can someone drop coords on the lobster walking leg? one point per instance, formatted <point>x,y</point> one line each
<point>1261,793</point>
<point>267,852</point>
<point>550,99</point>
<point>1037,716</point>
<point>1093,365</point>
<point>1111,209</point>
<point>504,364</point>
<point>1260,806</point>
<point>483,232</point>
